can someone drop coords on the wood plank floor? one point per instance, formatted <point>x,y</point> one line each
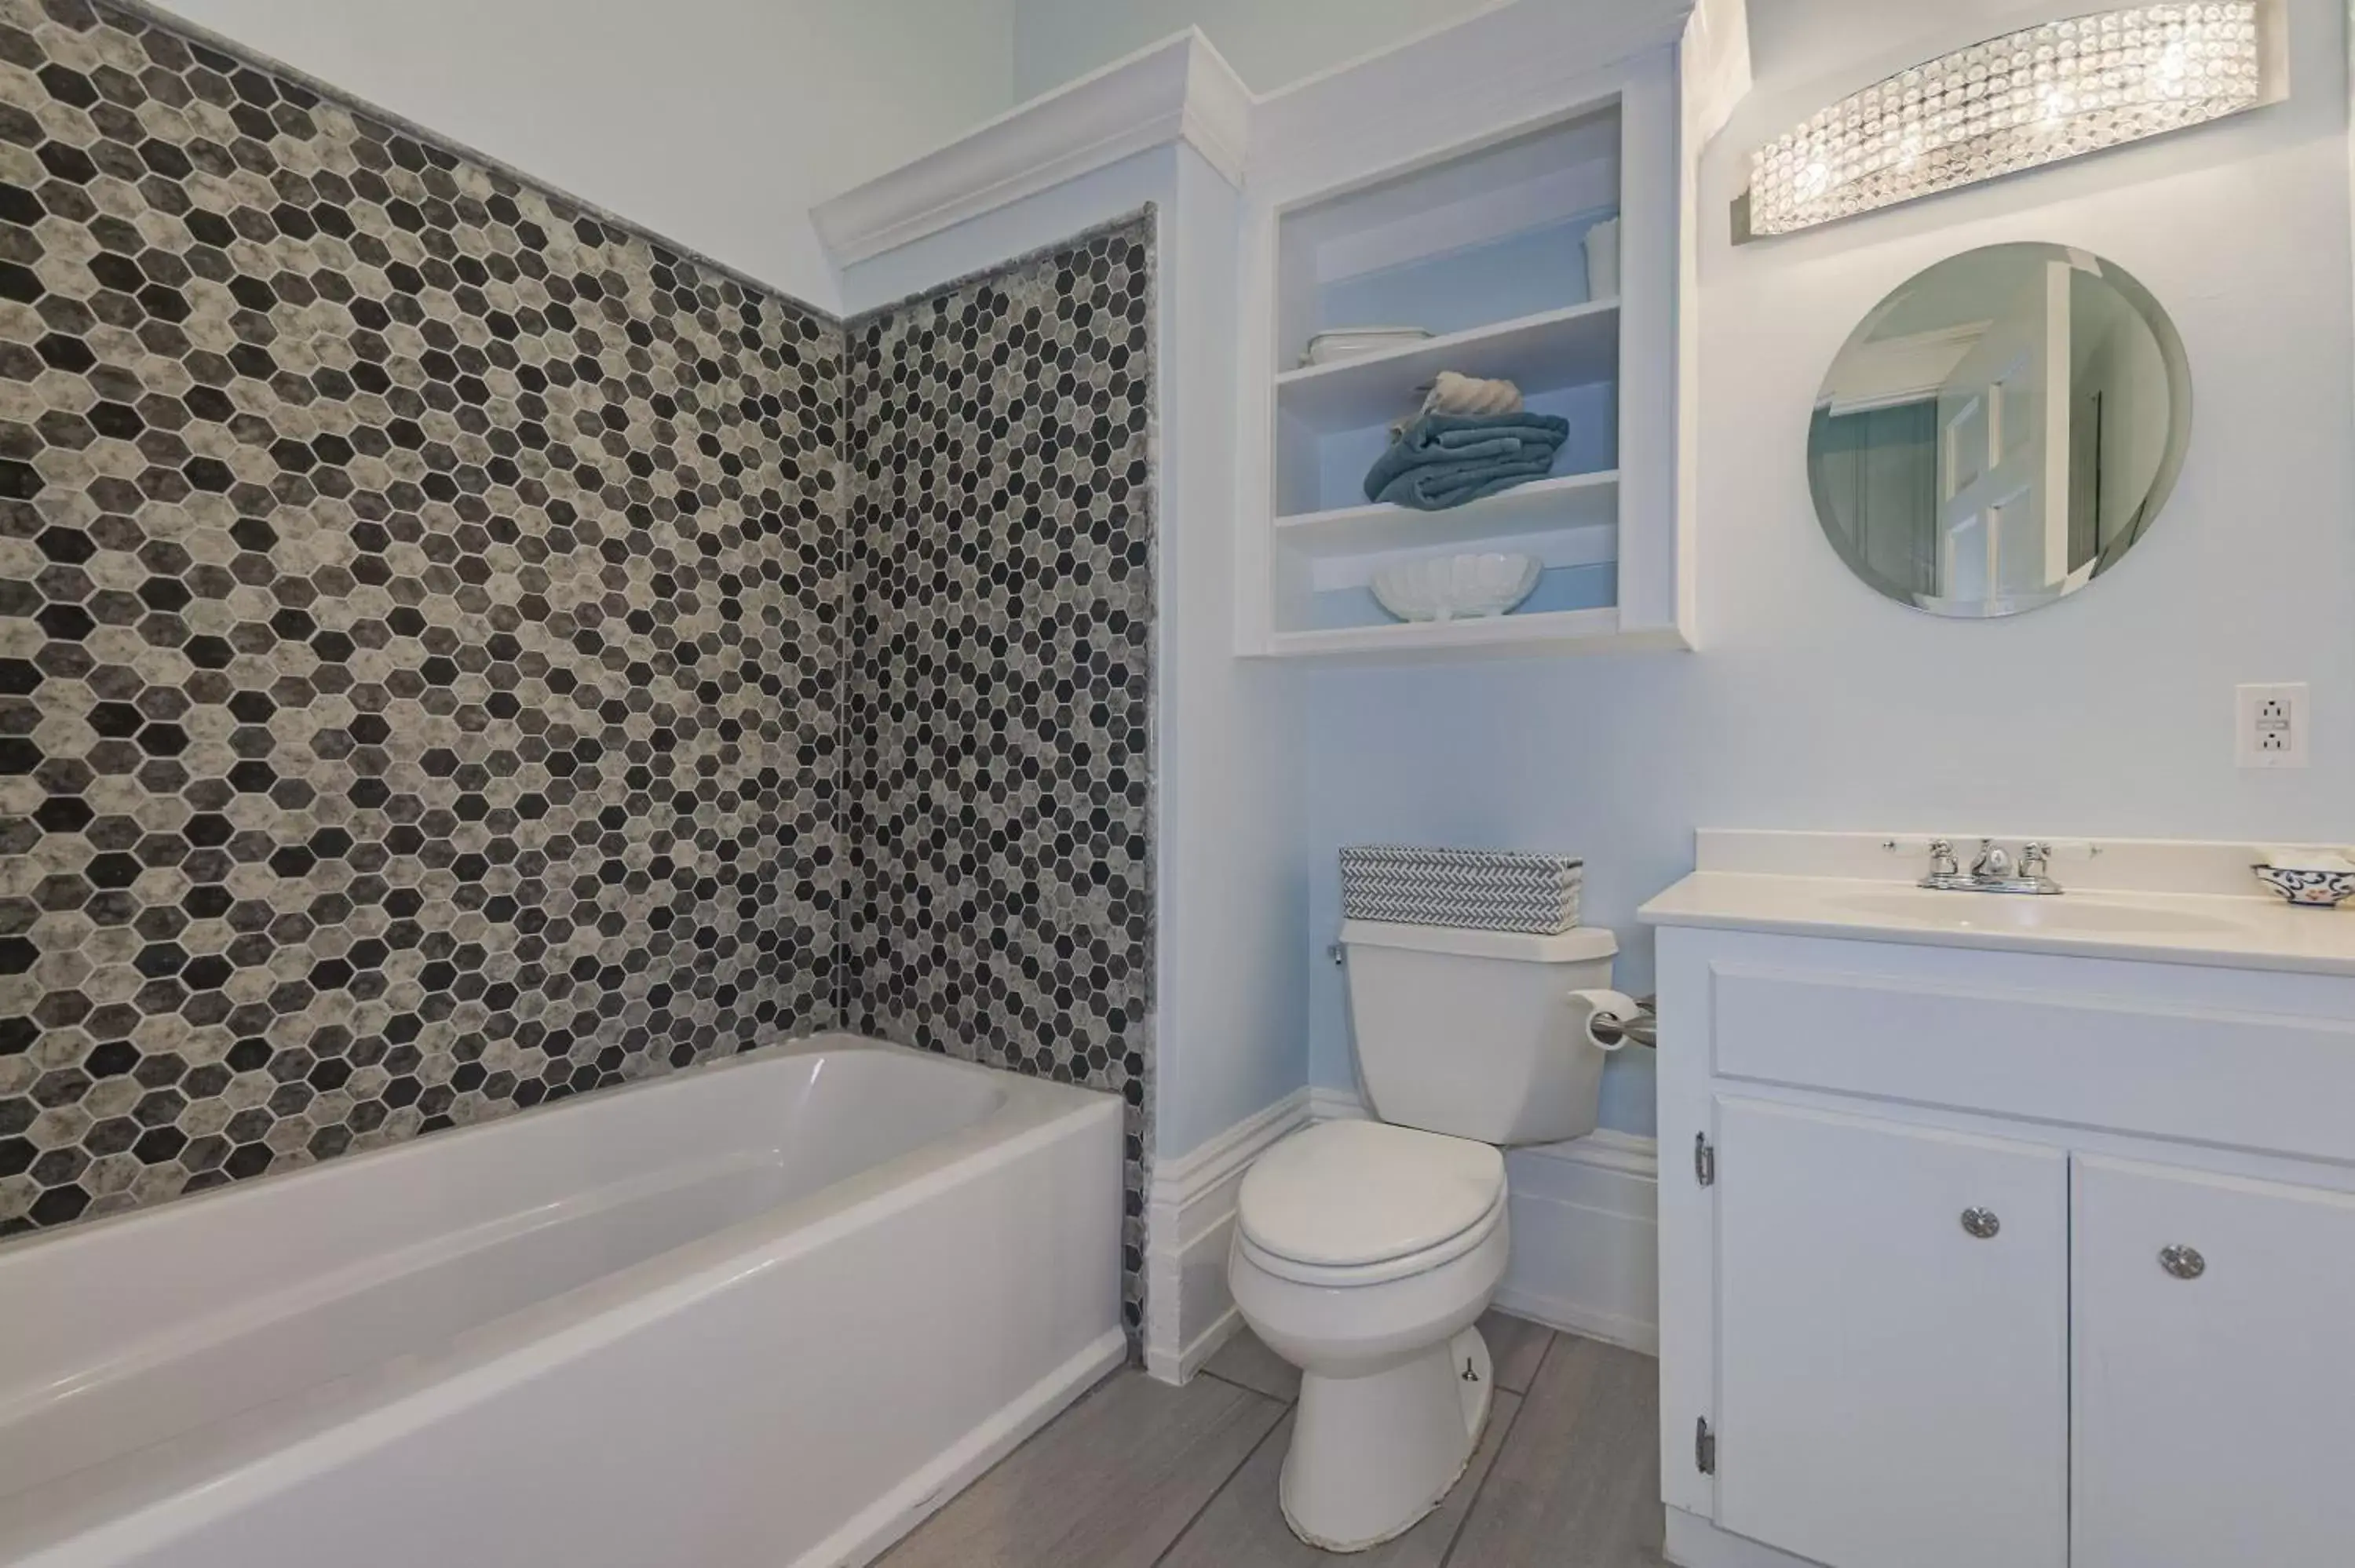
<point>1141,1474</point>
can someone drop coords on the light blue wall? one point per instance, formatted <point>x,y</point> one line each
<point>1271,43</point>
<point>1817,704</point>
<point>1461,755</point>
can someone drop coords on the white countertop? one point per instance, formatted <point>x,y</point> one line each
<point>2118,906</point>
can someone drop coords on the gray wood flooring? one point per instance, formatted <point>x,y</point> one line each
<point>1141,1474</point>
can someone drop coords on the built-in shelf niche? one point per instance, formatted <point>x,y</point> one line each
<point>1462,242</point>
<point>1485,249</point>
<point>1484,246</point>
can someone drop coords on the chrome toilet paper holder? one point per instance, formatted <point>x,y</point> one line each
<point>1643,1028</point>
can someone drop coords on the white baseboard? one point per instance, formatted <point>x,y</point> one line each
<point>1189,1219</point>
<point>1586,1255</point>
<point>1572,1316</point>
<point>1196,1351</point>
<point>1694,1542</point>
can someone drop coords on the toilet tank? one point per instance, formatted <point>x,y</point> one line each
<point>1473,1034</point>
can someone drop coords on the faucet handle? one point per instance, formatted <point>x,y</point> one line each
<point>2035,859</point>
<point>1942,858</point>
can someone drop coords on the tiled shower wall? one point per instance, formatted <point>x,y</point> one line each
<point>420,633</point>
<point>422,642</point>
<point>1000,899</point>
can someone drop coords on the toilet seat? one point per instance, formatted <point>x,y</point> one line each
<point>1361,1202</point>
<point>1347,1275</point>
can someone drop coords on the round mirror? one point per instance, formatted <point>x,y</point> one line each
<point>1999,431</point>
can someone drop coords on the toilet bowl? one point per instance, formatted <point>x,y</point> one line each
<point>1365,1251</point>
<point>1362,1254</point>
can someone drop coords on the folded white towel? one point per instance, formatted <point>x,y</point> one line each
<point>1454,394</point>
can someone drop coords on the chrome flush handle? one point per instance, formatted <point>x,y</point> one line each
<point>2183,1262</point>
<point>1981,1223</point>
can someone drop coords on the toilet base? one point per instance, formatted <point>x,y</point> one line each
<point>1372,1454</point>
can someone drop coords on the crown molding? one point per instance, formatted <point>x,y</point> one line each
<point>1180,90</point>
<point>1512,63</point>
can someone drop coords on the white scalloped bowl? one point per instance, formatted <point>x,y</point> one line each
<point>1454,587</point>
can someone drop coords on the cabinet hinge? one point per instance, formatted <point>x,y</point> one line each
<point>1704,1447</point>
<point>1704,1160</point>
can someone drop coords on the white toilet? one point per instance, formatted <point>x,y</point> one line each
<point>1365,1250</point>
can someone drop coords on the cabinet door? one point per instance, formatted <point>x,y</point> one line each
<point>1892,1389</point>
<point>2212,1411</point>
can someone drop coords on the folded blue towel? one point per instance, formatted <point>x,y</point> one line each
<point>1446,460</point>
<point>1443,485</point>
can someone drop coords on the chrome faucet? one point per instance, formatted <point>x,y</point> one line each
<point>1993,871</point>
<point>1942,860</point>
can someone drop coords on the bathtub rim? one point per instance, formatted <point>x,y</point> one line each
<point>345,1168</point>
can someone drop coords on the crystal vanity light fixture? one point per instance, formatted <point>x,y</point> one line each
<point>2027,98</point>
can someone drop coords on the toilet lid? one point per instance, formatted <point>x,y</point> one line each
<point>1351,1192</point>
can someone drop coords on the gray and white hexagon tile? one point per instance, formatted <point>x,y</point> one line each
<point>420,633</point>
<point>1000,797</point>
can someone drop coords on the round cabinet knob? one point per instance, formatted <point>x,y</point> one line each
<point>1981,1223</point>
<point>2183,1262</point>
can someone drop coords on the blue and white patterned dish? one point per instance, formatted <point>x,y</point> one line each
<point>2309,889</point>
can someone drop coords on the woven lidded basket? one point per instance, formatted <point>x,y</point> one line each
<point>1488,890</point>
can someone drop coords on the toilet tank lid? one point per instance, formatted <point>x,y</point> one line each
<point>1580,944</point>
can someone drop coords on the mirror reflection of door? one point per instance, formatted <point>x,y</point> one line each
<point>2003,450</point>
<point>1993,435</point>
<point>2120,426</point>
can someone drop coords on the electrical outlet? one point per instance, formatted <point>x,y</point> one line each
<point>2270,725</point>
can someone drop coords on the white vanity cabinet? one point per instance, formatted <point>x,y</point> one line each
<point>1858,1323</point>
<point>2003,1257</point>
<point>2212,1391</point>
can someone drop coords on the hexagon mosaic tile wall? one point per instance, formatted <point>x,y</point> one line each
<point>1000,799</point>
<point>423,654</point>
<point>419,633</point>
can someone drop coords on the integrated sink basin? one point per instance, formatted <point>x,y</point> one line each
<point>2065,914</point>
<point>2146,900</point>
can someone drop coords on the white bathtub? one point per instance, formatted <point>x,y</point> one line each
<point>765,1312</point>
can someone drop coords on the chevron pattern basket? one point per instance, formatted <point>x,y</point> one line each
<point>1489,890</point>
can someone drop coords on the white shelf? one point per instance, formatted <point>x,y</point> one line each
<point>1571,502</point>
<point>1565,347</point>
<point>1547,631</point>
<point>1472,217</point>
